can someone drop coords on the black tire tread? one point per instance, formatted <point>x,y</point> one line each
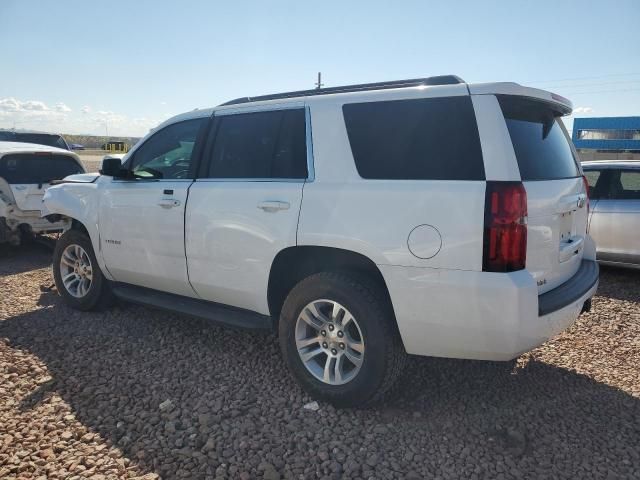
<point>101,299</point>
<point>372,293</point>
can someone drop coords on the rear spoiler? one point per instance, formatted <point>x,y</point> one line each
<point>557,102</point>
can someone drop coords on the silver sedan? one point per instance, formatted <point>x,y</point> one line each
<point>614,223</point>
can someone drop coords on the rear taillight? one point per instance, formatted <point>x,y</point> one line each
<point>505,227</point>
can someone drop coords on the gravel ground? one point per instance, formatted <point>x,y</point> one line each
<point>139,393</point>
<point>92,162</point>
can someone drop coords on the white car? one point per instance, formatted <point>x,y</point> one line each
<point>26,170</point>
<point>429,217</point>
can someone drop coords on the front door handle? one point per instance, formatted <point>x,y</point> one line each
<point>273,206</point>
<point>169,203</point>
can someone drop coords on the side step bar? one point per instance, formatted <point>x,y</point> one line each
<point>216,312</point>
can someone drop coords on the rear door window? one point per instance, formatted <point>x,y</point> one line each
<point>539,139</point>
<point>628,187</point>
<point>259,145</point>
<point>423,139</point>
<point>37,168</point>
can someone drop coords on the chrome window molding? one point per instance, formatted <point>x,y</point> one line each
<point>272,180</point>
<point>311,173</point>
<point>258,108</point>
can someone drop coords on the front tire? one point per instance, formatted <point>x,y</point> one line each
<point>339,339</point>
<point>76,273</point>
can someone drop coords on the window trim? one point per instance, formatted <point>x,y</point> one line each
<point>207,151</point>
<point>196,154</point>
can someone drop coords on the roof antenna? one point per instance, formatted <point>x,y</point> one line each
<point>319,83</point>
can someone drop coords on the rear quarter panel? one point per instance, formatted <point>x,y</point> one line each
<point>375,217</point>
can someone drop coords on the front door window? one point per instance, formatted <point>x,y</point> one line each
<point>167,154</point>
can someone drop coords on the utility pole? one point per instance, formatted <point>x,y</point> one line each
<point>319,83</point>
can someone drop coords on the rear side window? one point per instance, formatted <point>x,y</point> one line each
<point>29,168</point>
<point>424,139</point>
<point>539,140</point>
<point>259,145</point>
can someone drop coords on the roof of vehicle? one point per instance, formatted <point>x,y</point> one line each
<point>357,91</point>
<point>21,147</point>
<point>20,130</point>
<point>414,82</point>
<point>611,164</point>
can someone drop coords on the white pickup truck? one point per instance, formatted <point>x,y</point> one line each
<point>428,216</point>
<point>26,171</point>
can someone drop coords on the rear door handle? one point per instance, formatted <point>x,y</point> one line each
<point>169,203</point>
<point>273,206</point>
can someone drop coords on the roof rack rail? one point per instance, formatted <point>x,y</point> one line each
<point>414,82</point>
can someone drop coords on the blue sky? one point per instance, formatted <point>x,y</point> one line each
<point>124,66</point>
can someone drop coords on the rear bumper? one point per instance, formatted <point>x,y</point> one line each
<point>481,315</point>
<point>570,291</point>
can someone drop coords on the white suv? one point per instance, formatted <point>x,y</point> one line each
<point>429,217</point>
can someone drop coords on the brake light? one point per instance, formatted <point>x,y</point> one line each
<point>505,227</point>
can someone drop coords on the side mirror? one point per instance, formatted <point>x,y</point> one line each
<point>112,167</point>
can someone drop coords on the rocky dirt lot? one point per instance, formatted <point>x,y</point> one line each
<point>138,393</point>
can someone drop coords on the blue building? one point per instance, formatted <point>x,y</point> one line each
<point>607,133</point>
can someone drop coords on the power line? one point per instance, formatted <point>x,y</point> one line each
<point>586,78</point>
<point>607,91</point>
<point>592,84</point>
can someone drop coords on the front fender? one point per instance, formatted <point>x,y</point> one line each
<point>80,202</point>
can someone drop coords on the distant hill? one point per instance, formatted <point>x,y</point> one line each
<point>91,141</point>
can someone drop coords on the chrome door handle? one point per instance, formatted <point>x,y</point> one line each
<point>169,203</point>
<point>273,206</point>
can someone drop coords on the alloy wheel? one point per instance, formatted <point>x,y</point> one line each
<point>76,270</point>
<point>329,342</point>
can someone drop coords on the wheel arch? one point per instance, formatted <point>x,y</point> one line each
<point>293,264</point>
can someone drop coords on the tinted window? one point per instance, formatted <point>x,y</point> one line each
<point>167,154</point>
<point>38,138</point>
<point>540,143</point>
<point>426,139</point>
<point>259,145</point>
<point>30,168</point>
<point>626,186</point>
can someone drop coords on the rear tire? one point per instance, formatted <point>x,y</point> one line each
<point>344,328</point>
<point>77,274</point>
